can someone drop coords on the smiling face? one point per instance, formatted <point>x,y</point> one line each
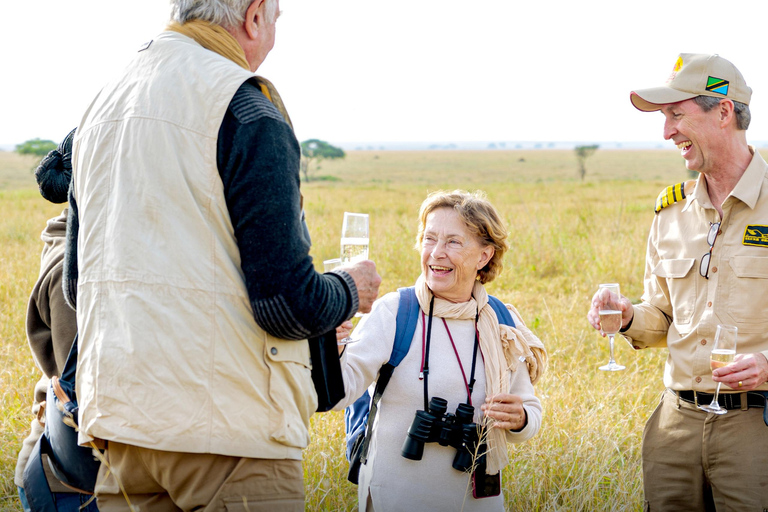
<point>695,132</point>
<point>451,255</point>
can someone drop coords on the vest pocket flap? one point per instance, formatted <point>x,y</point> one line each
<point>288,351</point>
<point>674,268</point>
<point>749,266</point>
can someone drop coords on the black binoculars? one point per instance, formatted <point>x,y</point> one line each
<point>456,430</point>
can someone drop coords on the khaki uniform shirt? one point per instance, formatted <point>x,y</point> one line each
<point>680,308</point>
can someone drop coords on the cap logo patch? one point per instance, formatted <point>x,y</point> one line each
<point>756,235</point>
<point>717,85</point>
<point>678,67</point>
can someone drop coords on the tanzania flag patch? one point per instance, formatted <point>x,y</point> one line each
<point>756,235</point>
<point>717,85</point>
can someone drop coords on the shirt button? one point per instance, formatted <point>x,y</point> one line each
<point>714,269</point>
<point>698,379</point>
<point>703,342</point>
<point>273,351</point>
<point>709,304</point>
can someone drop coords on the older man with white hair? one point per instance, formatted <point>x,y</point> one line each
<point>189,266</point>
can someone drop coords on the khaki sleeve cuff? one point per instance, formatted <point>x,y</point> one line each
<point>646,330</point>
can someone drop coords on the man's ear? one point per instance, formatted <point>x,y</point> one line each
<point>254,18</point>
<point>727,111</point>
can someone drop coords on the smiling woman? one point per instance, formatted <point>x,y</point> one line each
<point>462,239</point>
<point>458,334</point>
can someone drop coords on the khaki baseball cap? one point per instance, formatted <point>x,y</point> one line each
<point>695,74</point>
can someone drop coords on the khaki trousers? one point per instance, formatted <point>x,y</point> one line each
<point>167,481</point>
<point>695,461</point>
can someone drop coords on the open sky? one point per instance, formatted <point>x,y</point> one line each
<point>406,70</point>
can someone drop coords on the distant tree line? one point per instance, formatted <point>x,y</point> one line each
<point>36,147</point>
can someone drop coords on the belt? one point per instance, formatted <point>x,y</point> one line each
<point>726,400</point>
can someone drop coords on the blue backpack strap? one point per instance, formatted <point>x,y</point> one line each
<point>405,326</point>
<point>407,320</point>
<point>502,313</point>
<point>358,418</point>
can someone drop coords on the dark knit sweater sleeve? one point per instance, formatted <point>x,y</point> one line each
<point>258,160</point>
<point>70,271</point>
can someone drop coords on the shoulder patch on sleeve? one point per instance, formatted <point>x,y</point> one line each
<point>249,105</point>
<point>673,194</point>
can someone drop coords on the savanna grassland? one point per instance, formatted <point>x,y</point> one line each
<point>566,237</point>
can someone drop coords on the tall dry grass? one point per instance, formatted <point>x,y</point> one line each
<point>566,235</point>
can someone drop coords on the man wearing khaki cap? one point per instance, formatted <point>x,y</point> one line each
<point>706,264</point>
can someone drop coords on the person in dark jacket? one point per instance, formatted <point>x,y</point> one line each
<point>51,324</point>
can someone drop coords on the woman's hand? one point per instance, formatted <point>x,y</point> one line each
<point>343,331</point>
<point>506,410</point>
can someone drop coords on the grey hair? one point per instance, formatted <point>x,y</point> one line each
<point>743,116</point>
<point>227,13</point>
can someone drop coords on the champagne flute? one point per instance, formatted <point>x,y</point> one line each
<point>610,318</point>
<point>722,354</point>
<point>354,238</point>
<point>354,246</point>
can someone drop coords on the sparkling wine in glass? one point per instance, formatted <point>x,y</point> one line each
<point>722,354</point>
<point>354,238</point>
<point>354,246</point>
<point>610,318</point>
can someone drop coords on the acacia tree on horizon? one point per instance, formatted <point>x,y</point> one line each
<point>582,153</point>
<point>314,151</point>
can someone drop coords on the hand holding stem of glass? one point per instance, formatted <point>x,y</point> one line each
<point>610,318</point>
<point>329,265</point>
<point>723,354</point>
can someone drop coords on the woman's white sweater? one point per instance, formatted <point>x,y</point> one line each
<point>393,482</point>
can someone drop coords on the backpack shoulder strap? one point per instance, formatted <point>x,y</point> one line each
<point>502,313</point>
<point>406,321</point>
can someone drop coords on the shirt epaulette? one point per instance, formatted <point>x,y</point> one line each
<point>673,194</point>
<point>249,104</point>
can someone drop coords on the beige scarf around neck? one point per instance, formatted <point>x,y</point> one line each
<point>218,40</point>
<point>502,347</point>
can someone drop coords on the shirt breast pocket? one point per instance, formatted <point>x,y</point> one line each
<point>747,300</point>
<point>681,283</point>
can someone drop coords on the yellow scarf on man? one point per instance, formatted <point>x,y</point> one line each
<point>218,40</point>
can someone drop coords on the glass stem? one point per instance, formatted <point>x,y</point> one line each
<point>715,404</point>
<point>610,339</point>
